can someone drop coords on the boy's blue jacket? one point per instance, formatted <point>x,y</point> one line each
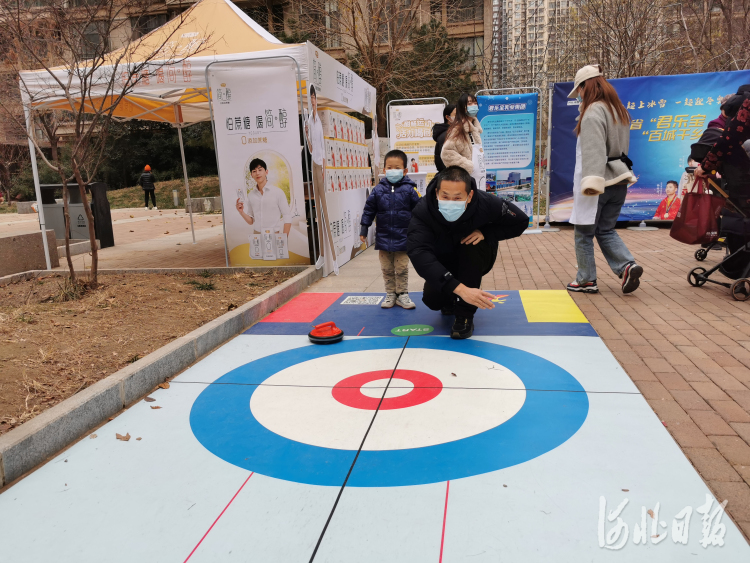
<point>392,203</point>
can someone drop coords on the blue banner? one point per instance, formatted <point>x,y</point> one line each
<point>509,143</point>
<point>669,113</point>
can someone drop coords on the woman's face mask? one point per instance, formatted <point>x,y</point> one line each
<point>451,210</point>
<point>472,109</point>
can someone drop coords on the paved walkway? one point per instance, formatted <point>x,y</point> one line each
<point>687,349</point>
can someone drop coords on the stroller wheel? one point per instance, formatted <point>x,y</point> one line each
<point>701,254</point>
<point>741,289</point>
<point>695,277</point>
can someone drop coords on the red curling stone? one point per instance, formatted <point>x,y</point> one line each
<point>326,333</point>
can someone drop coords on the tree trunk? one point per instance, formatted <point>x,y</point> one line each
<point>66,209</point>
<point>93,279</point>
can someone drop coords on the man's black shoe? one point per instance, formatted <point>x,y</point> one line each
<point>462,328</point>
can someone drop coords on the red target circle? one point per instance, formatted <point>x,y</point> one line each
<point>349,391</point>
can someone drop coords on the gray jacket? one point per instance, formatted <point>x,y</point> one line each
<point>601,138</point>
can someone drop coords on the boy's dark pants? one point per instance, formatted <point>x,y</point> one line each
<point>467,265</point>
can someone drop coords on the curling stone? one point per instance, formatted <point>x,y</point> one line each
<point>326,333</point>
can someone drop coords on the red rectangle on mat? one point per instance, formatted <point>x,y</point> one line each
<point>304,308</point>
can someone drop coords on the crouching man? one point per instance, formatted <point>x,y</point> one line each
<point>452,242</point>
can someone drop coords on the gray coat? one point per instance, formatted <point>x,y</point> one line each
<point>601,138</point>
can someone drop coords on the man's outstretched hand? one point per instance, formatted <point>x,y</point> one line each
<point>475,296</point>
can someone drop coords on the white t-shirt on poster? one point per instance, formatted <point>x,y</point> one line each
<point>269,210</point>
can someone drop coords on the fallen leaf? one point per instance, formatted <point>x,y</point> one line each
<point>137,438</point>
<point>66,461</point>
<point>626,490</point>
<point>149,399</point>
<point>124,438</point>
<point>505,486</point>
<point>157,407</point>
<point>650,513</point>
<point>131,216</point>
<point>92,436</point>
<point>231,306</point>
<point>664,423</point>
<point>132,231</point>
<point>164,385</point>
<point>166,232</point>
<point>454,375</point>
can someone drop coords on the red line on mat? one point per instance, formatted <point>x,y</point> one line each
<point>222,514</point>
<point>360,332</point>
<point>445,517</point>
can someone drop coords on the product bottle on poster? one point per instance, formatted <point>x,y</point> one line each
<point>281,245</point>
<point>269,245</point>
<point>256,253</point>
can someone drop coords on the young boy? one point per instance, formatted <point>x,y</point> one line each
<point>392,201</point>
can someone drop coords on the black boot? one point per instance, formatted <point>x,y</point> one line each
<point>462,328</point>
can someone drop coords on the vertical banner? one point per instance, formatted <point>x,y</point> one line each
<point>342,178</point>
<point>509,125</point>
<point>668,113</point>
<point>411,131</point>
<point>255,109</point>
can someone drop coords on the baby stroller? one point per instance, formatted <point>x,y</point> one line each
<point>734,228</point>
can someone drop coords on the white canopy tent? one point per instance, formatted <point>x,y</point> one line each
<point>173,88</point>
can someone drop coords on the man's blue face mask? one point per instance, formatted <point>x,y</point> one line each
<point>451,210</point>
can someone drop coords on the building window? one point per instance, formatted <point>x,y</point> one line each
<point>475,48</point>
<point>333,34</point>
<point>146,24</point>
<point>94,42</point>
<point>271,20</point>
<point>465,11</point>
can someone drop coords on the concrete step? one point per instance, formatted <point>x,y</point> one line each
<point>77,246</point>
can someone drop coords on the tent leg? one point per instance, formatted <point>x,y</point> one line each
<point>37,189</point>
<point>187,184</point>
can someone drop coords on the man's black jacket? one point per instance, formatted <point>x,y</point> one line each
<point>431,240</point>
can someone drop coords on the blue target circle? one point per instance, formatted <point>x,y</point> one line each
<point>556,406</point>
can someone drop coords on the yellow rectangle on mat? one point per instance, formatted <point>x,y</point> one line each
<point>550,306</point>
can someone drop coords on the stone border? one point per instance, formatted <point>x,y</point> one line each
<point>24,448</point>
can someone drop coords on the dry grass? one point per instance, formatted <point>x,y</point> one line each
<point>56,340</point>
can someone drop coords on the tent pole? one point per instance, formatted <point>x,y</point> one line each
<point>184,171</point>
<point>37,189</point>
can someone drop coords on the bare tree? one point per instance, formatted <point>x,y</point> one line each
<point>69,42</point>
<point>398,46</point>
<point>717,33</point>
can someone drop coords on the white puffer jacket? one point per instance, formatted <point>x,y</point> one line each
<point>457,148</point>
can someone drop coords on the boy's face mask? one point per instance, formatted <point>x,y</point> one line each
<point>394,175</point>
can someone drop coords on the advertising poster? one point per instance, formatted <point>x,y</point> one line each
<point>257,136</point>
<point>411,131</point>
<point>342,177</point>
<point>509,125</point>
<point>669,113</point>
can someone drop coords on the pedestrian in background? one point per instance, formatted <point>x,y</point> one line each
<point>438,134</point>
<point>463,140</point>
<point>602,175</point>
<point>146,182</point>
<point>392,201</point>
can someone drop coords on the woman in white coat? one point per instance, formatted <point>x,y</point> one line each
<point>603,173</point>
<point>463,140</point>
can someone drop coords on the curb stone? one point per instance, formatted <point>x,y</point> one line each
<point>24,448</point>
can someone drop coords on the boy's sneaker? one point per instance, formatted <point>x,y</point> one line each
<point>319,263</point>
<point>462,328</point>
<point>405,301</point>
<point>631,277</point>
<point>586,287</point>
<point>146,208</point>
<point>155,208</point>
<point>389,301</point>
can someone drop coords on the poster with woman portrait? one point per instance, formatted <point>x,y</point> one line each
<point>260,170</point>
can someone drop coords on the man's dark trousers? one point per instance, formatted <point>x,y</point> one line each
<point>468,265</point>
